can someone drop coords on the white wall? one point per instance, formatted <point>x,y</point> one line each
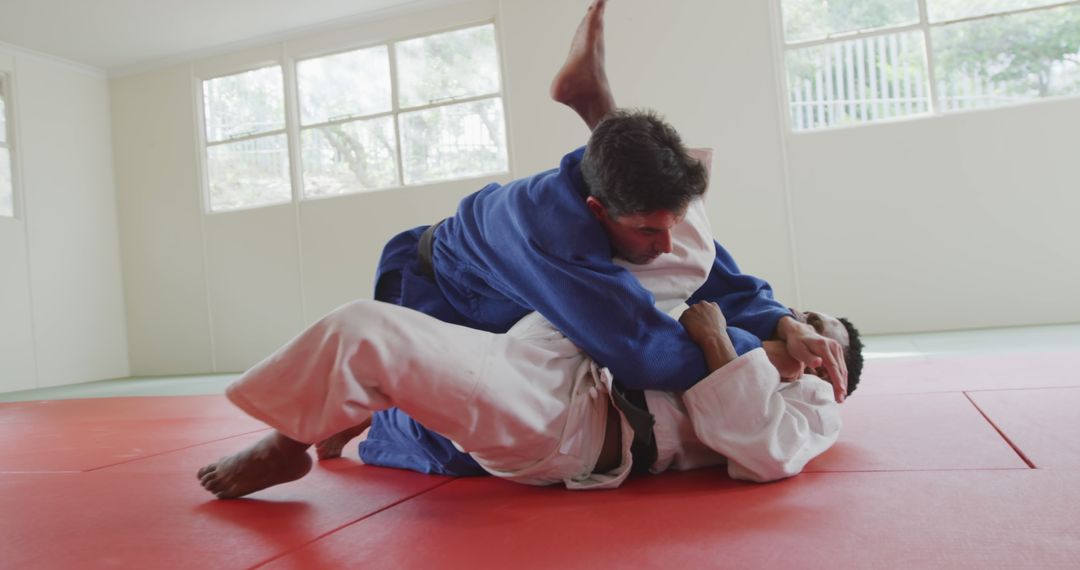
<point>963,221</point>
<point>935,241</point>
<point>218,292</point>
<point>61,294</point>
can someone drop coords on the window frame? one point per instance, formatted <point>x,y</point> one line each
<point>926,28</point>
<point>294,129</point>
<point>205,144</point>
<point>7,89</point>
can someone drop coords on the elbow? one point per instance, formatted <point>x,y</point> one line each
<point>765,471</point>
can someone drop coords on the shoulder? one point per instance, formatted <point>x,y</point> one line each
<point>549,211</point>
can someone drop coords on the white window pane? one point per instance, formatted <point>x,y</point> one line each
<point>344,85</point>
<point>454,141</point>
<point>3,115</point>
<point>943,10</point>
<point>350,157</point>
<point>447,66</point>
<point>253,172</point>
<point>244,104</point>
<point>814,19</point>
<point>997,61</point>
<point>858,81</point>
<point>7,204</point>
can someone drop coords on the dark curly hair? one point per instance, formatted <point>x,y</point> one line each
<point>853,356</point>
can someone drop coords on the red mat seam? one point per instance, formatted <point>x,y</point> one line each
<point>1014,447</point>
<point>168,451</point>
<point>1034,389</point>
<point>964,391</point>
<point>914,470</point>
<point>350,523</point>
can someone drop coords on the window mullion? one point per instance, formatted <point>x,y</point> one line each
<point>453,101</point>
<point>928,41</point>
<point>292,126</point>
<point>248,137</point>
<point>347,120</point>
<point>846,37</point>
<point>1005,13</point>
<point>395,109</point>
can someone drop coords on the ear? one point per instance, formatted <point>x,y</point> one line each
<point>599,211</point>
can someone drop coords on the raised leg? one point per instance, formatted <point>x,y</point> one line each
<point>582,82</point>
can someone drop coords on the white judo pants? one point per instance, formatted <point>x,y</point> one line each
<point>527,405</point>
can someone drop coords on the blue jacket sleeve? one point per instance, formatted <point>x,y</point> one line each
<point>742,341</point>
<point>746,301</point>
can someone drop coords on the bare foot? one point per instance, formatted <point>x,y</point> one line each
<point>330,448</point>
<point>273,460</point>
<point>582,83</point>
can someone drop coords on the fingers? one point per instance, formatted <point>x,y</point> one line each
<point>836,369</point>
<point>804,354</point>
<point>824,353</point>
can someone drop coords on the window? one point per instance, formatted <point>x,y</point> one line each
<point>247,155</point>
<point>7,187</point>
<point>409,112</point>
<point>859,61</point>
<point>412,112</point>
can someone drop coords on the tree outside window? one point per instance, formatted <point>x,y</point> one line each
<point>858,61</point>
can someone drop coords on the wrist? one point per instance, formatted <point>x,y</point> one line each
<point>719,351</point>
<point>785,326</point>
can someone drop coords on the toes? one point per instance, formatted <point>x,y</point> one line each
<point>205,470</point>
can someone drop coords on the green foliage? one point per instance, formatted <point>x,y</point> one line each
<point>245,103</point>
<point>448,66</point>
<point>1036,53</point>
<point>813,19</point>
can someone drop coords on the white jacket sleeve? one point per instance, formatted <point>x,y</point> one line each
<point>766,429</point>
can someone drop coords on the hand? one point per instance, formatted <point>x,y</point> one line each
<point>817,352</point>
<point>706,326</point>
<point>704,322</point>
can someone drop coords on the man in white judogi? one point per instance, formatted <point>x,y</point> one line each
<point>528,405</point>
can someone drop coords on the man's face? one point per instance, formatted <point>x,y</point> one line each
<point>637,238</point>
<point>827,326</point>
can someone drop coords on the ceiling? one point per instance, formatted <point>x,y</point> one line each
<point>116,35</point>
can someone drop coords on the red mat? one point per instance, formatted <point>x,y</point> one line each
<point>80,435</point>
<point>915,432</point>
<point>1043,424</point>
<point>1050,369</point>
<point>110,409</point>
<point>152,513</point>
<point>919,479</point>
<point>954,519</point>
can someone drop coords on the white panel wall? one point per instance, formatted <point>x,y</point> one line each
<point>161,223</point>
<point>964,221</point>
<point>61,286</point>
<point>18,369</point>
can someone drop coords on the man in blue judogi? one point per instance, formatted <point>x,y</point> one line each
<point>545,243</point>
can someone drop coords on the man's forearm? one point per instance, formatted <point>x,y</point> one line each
<point>718,352</point>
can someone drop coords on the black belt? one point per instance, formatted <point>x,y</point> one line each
<point>643,450</point>
<point>424,249</point>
